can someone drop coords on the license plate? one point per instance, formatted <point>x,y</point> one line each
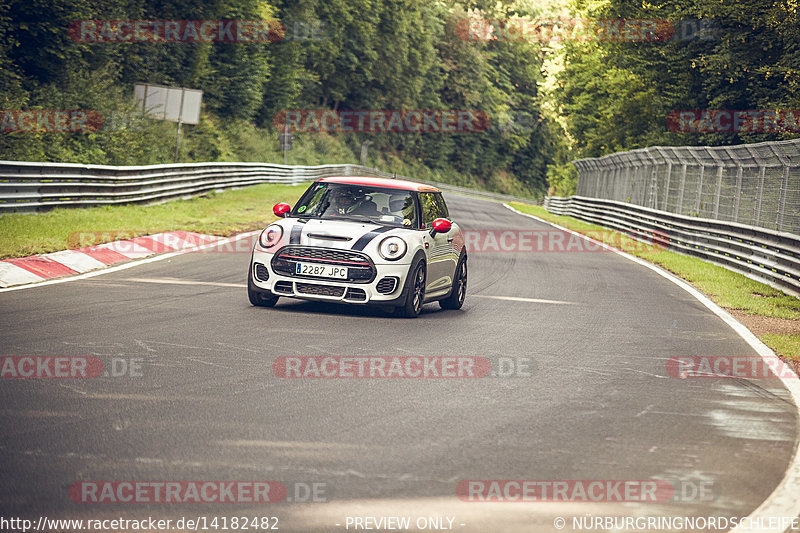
<point>322,271</point>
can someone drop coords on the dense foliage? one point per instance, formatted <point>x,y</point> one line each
<point>614,94</point>
<point>719,56</point>
<point>548,101</point>
<point>333,54</point>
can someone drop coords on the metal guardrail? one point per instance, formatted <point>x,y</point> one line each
<point>766,255</point>
<point>32,186</point>
<point>754,184</point>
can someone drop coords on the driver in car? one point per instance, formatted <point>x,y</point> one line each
<point>347,202</point>
<point>344,202</point>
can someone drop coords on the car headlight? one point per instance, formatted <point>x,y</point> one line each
<point>270,236</point>
<point>392,248</point>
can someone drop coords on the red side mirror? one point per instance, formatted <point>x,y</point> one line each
<point>441,225</point>
<point>281,209</point>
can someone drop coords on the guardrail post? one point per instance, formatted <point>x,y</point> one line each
<point>761,174</point>
<point>699,162</point>
<point>644,181</point>
<point>598,182</point>
<point>680,189</point>
<point>737,196</point>
<point>699,189</point>
<point>627,171</point>
<point>782,200</point>
<point>786,162</point>
<point>652,201</point>
<point>603,185</point>
<point>718,190</point>
<point>631,191</point>
<point>586,181</point>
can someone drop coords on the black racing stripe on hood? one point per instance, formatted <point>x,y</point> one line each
<point>363,241</point>
<point>297,230</point>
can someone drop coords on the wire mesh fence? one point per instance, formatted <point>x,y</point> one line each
<point>753,184</point>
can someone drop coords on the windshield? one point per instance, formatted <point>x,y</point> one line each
<point>379,205</point>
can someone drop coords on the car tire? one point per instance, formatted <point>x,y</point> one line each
<point>415,291</point>
<point>259,297</point>
<point>456,298</point>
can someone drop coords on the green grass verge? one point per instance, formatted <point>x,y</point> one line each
<point>727,289</point>
<point>223,213</point>
<point>783,344</point>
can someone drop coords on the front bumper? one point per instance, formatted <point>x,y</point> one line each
<point>386,287</point>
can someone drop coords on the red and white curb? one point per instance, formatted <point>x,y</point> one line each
<point>37,268</point>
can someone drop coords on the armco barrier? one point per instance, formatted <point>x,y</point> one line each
<point>753,184</point>
<point>32,186</point>
<point>767,255</point>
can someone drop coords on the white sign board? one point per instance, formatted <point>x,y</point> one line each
<point>168,103</point>
<point>191,106</point>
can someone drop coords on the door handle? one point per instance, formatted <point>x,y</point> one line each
<point>450,239</point>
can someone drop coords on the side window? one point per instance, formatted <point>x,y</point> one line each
<point>443,212</point>
<point>433,207</point>
<point>409,211</point>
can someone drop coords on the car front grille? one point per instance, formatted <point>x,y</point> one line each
<point>358,295</point>
<point>324,255</point>
<point>320,290</point>
<point>261,272</point>
<point>283,287</point>
<point>387,285</point>
<point>360,268</point>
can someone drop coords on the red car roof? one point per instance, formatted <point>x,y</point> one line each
<point>380,182</point>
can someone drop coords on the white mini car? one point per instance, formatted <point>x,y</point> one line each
<point>360,240</point>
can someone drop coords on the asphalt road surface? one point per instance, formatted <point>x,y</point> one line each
<point>202,403</point>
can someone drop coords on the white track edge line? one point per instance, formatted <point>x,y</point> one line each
<point>783,501</point>
<point>132,263</point>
